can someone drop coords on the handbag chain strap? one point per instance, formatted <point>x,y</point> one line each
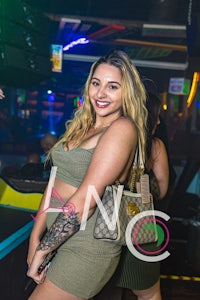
<point>137,168</point>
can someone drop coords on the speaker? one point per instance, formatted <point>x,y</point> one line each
<point>20,68</point>
<point>24,38</point>
<point>12,11</point>
<point>193,29</point>
<point>24,44</point>
<point>21,13</point>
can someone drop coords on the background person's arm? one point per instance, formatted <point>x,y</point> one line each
<point>160,166</point>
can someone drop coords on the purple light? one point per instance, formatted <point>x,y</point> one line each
<point>75,43</point>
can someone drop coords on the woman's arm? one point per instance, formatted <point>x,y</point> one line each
<point>112,159</point>
<point>38,230</point>
<point>160,166</point>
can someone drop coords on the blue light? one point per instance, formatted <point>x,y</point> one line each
<point>75,43</point>
<point>198,104</point>
<point>53,132</point>
<point>51,97</point>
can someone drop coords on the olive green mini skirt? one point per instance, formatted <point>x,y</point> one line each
<point>83,265</point>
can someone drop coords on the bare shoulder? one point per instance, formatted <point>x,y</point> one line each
<point>121,132</point>
<point>124,125</point>
<point>158,147</point>
<point>158,143</point>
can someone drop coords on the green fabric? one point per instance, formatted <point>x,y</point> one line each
<point>83,265</point>
<point>72,164</point>
<point>135,274</point>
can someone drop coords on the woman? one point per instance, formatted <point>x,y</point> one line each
<point>140,276</point>
<point>97,148</point>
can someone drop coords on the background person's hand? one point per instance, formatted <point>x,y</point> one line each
<point>1,94</point>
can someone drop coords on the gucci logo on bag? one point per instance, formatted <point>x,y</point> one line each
<point>132,209</point>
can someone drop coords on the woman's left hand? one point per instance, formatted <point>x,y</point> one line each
<point>38,259</point>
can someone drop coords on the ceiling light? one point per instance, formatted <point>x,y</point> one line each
<point>137,63</point>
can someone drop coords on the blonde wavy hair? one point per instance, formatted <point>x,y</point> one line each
<point>133,99</point>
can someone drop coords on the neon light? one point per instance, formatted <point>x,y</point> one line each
<point>56,57</point>
<point>198,105</point>
<point>78,102</point>
<point>179,277</point>
<point>75,43</point>
<point>196,78</point>
<point>51,96</point>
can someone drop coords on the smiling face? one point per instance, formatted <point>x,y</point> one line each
<point>105,91</point>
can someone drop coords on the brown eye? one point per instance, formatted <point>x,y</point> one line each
<point>113,87</point>
<point>94,83</point>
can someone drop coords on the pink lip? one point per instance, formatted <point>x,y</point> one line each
<point>102,104</point>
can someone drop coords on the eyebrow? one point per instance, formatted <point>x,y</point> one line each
<point>116,82</point>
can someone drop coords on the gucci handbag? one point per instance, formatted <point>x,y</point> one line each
<point>121,205</point>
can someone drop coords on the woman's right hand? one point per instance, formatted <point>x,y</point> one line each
<point>33,244</point>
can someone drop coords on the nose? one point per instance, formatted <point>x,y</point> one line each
<point>101,92</point>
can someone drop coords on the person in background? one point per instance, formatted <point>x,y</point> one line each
<point>35,167</point>
<point>32,169</point>
<point>162,134</point>
<point>46,143</point>
<point>33,158</point>
<point>101,137</point>
<point>143,278</point>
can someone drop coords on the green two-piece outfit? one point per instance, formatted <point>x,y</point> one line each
<point>83,264</point>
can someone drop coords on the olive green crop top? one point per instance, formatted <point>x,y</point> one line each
<point>71,164</point>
